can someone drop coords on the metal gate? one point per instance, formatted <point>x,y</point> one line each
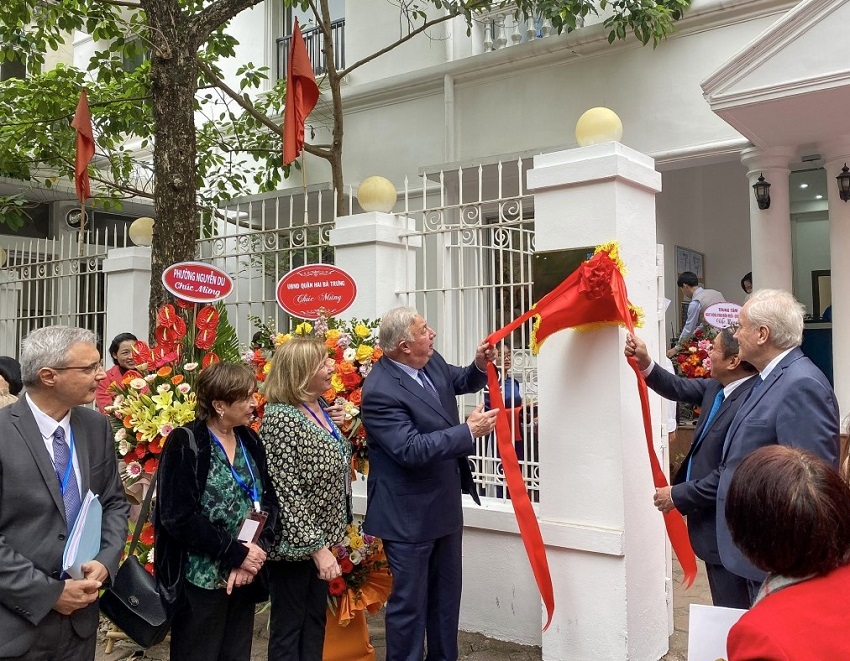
<point>473,247</point>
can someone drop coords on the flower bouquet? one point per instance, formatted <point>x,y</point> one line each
<point>365,582</point>
<point>158,395</point>
<point>144,547</point>
<point>692,362</point>
<point>353,346</point>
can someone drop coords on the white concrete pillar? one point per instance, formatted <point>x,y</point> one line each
<point>367,247</point>
<point>10,292</point>
<point>605,540</point>
<point>128,292</point>
<point>770,229</point>
<point>836,154</point>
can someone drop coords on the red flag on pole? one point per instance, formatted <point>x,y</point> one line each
<point>302,93</point>
<point>85,148</point>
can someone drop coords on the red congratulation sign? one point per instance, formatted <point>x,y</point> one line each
<point>721,315</point>
<point>197,282</point>
<point>304,291</point>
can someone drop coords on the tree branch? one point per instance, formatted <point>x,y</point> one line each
<point>215,15</point>
<point>396,44</point>
<point>120,3</point>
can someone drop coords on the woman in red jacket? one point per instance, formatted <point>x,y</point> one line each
<point>789,513</point>
<point>121,351</point>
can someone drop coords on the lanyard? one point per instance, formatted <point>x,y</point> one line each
<point>252,492</point>
<point>63,481</point>
<point>333,431</point>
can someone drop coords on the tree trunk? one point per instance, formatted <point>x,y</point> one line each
<point>174,78</point>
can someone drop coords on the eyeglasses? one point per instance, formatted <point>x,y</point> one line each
<point>85,369</point>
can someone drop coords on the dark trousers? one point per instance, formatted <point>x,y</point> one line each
<point>297,622</point>
<point>211,626</point>
<point>425,601</point>
<point>57,641</point>
<point>727,589</point>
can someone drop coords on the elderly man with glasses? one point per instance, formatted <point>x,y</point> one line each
<point>53,450</point>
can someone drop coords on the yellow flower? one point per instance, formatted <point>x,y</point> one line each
<point>357,542</point>
<point>363,353</point>
<point>362,331</point>
<point>304,328</point>
<point>267,367</point>
<point>337,384</point>
<point>333,334</point>
<point>280,338</point>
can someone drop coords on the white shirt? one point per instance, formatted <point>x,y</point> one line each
<point>47,426</point>
<point>773,363</point>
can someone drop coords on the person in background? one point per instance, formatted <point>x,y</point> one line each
<point>694,487</point>
<point>121,351</point>
<point>213,491</point>
<point>310,464</point>
<point>701,300</point>
<point>747,283</point>
<point>53,450</point>
<point>789,513</point>
<point>418,450</point>
<point>10,380</point>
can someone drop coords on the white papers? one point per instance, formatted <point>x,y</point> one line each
<point>84,541</point>
<point>708,628</point>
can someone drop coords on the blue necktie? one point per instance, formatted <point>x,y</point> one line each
<point>756,384</point>
<point>715,407</point>
<point>429,387</point>
<point>61,461</point>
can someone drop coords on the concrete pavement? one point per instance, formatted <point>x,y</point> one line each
<point>473,647</point>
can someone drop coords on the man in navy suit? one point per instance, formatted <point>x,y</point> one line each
<point>417,470</point>
<point>791,403</point>
<point>694,490</point>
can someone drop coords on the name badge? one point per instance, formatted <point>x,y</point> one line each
<point>252,526</point>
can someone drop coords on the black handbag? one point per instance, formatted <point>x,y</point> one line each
<point>133,602</point>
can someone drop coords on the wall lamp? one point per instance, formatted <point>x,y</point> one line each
<point>762,192</point>
<point>844,183</point>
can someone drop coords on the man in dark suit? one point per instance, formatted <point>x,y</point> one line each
<point>791,403</point>
<point>52,452</point>
<point>417,470</point>
<point>694,490</point>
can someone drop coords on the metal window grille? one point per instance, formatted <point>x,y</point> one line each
<point>473,244</point>
<point>314,41</point>
<point>48,282</point>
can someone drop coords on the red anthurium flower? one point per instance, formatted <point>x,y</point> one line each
<point>141,353</point>
<point>186,305</point>
<point>209,359</point>
<point>166,335</point>
<point>207,318</point>
<point>205,339</point>
<point>165,315</point>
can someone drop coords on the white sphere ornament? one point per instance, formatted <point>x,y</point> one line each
<point>598,125</point>
<point>377,194</point>
<point>141,231</point>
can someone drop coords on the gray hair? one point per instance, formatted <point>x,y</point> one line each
<point>779,311</point>
<point>49,347</point>
<point>395,327</point>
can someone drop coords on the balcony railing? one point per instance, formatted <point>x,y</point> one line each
<point>314,41</point>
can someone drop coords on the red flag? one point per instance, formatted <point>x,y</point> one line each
<point>85,148</point>
<point>302,93</point>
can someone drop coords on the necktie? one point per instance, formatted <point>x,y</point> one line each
<point>756,384</point>
<point>429,387</point>
<point>61,460</point>
<point>715,407</point>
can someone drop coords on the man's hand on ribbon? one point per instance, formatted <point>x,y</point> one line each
<point>482,422</point>
<point>635,348</point>
<point>485,353</point>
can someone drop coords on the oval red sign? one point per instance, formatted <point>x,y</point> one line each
<point>304,291</point>
<point>721,315</point>
<point>197,282</point>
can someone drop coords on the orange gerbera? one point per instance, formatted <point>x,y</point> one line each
<point>177,379</point>
<point>164,371</point>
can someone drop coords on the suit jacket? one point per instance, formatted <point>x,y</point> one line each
<point>417,450</point>
<point>794,406</point>
<point>697,498</point>
<point>807,621</point>
<point>32,520</point>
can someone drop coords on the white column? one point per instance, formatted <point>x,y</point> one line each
<point>368,247</point>
<point>605,540</point>
<point>837,153</point>
<point>10,292</point>
<point>128,292</point>
<point>770,229</point>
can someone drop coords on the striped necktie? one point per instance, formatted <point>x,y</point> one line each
<point>62,459</point>
<point>426,383</point>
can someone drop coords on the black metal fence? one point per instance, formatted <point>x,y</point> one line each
<point>314,41</point>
